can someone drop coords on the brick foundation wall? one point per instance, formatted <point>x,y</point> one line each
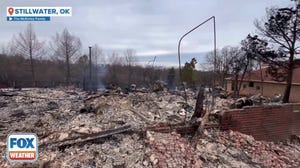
<point>270,122</point>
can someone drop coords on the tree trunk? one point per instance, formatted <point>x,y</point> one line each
<point>68,70</point>
<point>32,66</point>
<point>129,76</point>
<point>32,72</point>
<point>235,92</point>
<point>288,88</point>
<point>223,80</point>
<point>242,78</point>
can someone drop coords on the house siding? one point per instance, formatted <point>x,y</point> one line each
<point>269,89</point>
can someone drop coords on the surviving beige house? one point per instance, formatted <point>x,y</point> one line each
<point>260,82</point>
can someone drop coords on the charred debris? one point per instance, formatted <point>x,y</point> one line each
<point>142,128</point>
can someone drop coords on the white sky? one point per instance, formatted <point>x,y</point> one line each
<point>151,27</point>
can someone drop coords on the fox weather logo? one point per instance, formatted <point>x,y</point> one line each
<point>22,147</point>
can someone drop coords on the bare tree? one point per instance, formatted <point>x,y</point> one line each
<point>8,48</point>
<point>130,61</point>
<point>130,57</point>
<point>280,29</point>
<point>114,59</point>
<point>223,58</point>
<point>239,64</point>
<point>66,46</point>
<point>97,55</point>
<point>27,45</point>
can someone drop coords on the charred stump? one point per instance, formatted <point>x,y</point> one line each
<point>199,104</point>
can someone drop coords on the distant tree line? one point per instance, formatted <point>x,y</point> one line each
<point>15,71</point>
<point>27,61</point>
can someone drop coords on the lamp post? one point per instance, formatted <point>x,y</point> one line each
<point>215,52</point>
<point>90,68</point>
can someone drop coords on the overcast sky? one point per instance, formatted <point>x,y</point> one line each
<point>151,27</point>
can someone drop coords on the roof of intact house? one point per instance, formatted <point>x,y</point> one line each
<point>266,77</point>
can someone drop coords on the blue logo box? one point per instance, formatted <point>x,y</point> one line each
<point>22,147</point>
<point>28,18</point>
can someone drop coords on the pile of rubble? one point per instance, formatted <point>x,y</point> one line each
<point>112,129</point>
<point>234,149</point>
<point>60,117</point>
<point>170,150</point>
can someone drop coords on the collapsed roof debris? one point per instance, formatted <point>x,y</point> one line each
<point>138,129</point>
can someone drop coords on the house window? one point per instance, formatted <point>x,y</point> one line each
<point>251,84</point>
<point>257,87</point>
<point>244,86</point>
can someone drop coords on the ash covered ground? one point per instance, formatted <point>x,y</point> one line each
<point>112,129</point>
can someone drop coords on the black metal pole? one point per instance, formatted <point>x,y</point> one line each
<point>215,60</point>
<point>215,52</point>
<point>179,43</point>
<point>90,68</point>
